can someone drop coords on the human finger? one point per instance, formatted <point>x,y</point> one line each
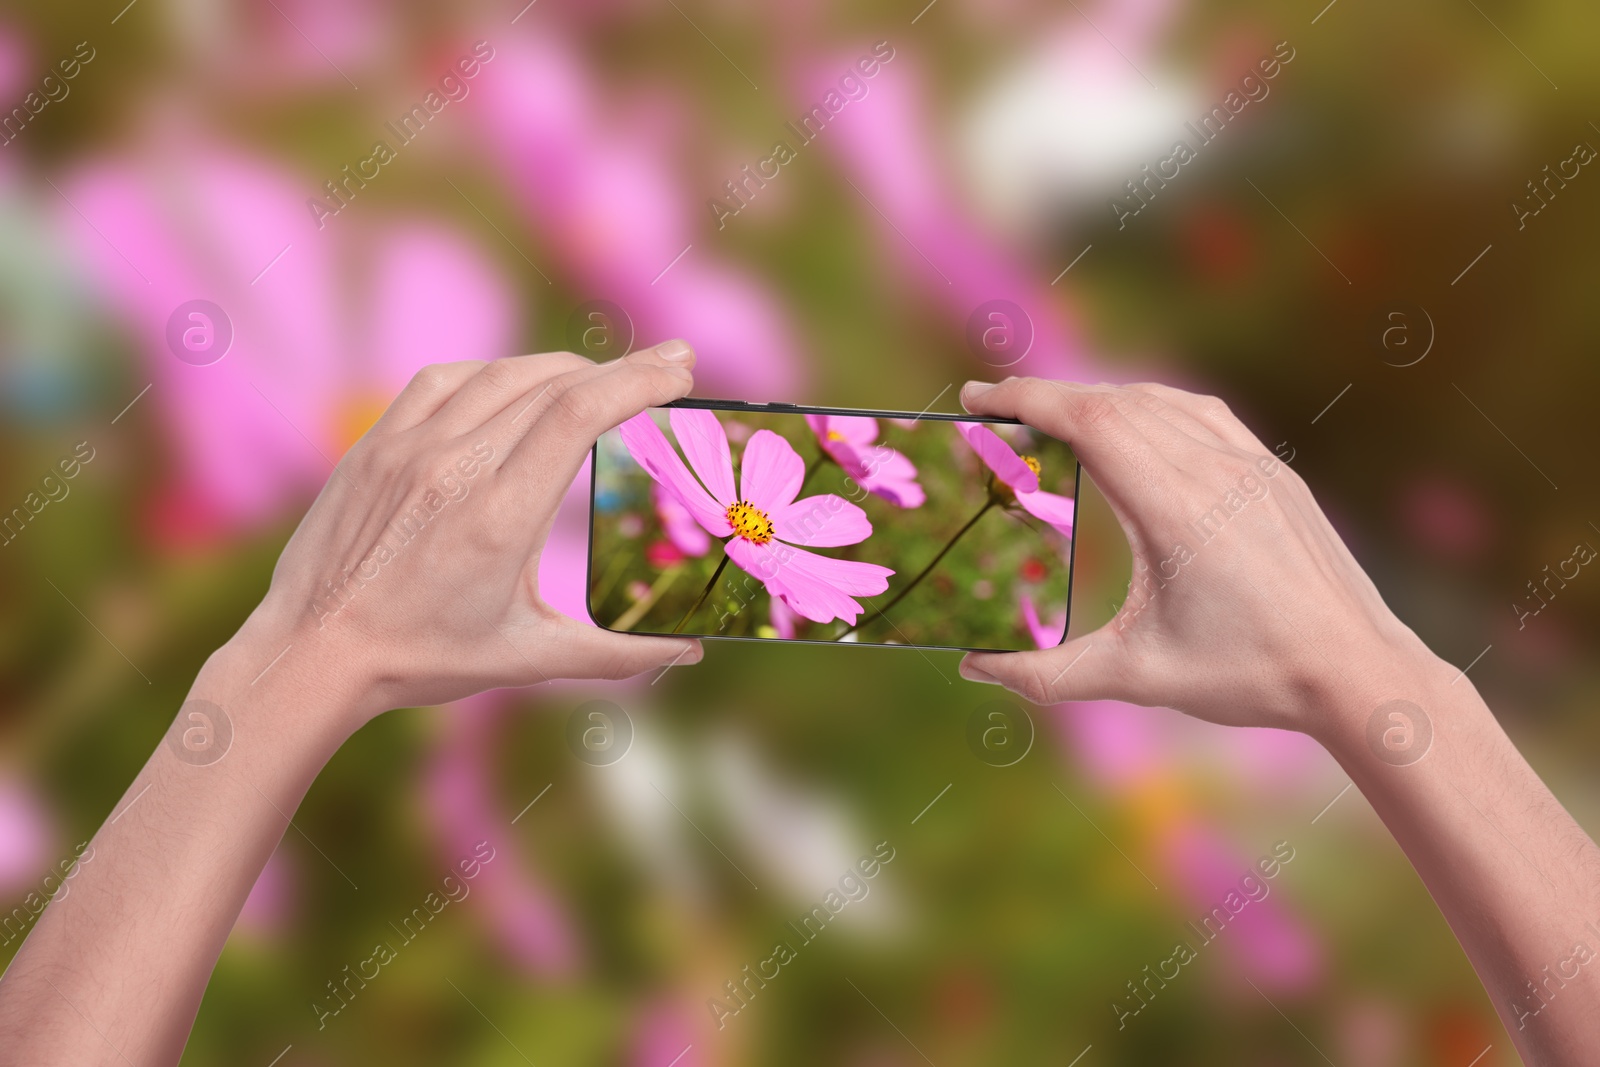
<point>500,384</point>
<point>1091,667</point>
<point>578,408</point>
<point>427,391</point>
<point>590,652</point>
<point>1124,462</point>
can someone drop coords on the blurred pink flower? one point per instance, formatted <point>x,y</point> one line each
<point>1021,474</point>
<point>1139,754</point>
<point>15,62</point>
<point>285,45</point>
<point>25,836</point>
<point>850,440</point>
<point>345,32</point>
<point>1045,635</point>
<point>1118,745</point>
<point>564,560</point>
<point>620,223</point>
<point>1271,944</point>
<point>685,534</point>
<point>660,555</point>
<point>763,521</point>
<point>885,143</point>
<point>317,351</point>
<point>666,1032</point>
<point>268,908</point>
<point>528,923</point>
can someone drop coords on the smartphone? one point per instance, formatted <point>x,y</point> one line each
<point>776,522</point>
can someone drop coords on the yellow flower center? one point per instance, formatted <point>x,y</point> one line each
<point>750,522</point>
<point>835,435</point>
<point>1032,463</point>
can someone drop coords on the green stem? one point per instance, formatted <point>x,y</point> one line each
<point>901,595</point>
<point>703,593</point>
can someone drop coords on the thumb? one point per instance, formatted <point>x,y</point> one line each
<point>590,652</point>
<point>1085,668</point>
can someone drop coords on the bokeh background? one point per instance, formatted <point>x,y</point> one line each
<point>1452,445</point>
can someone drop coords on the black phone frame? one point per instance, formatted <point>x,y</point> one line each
<point>715,404</point>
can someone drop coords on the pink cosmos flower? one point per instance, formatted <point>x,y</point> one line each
<point>888,145</point>
<point>660,555</point>
<point>1267,938</point>
<point>667,1033</point>
<point>267,50</point>
<point>763,522</point>
<point>598,182</point>
<point>1044,634</point>
<point>850,441</point>
<point>782,619</point>
<point>25,834</point>
<point>529,922</point>
<point>1021,474</point>
<point>318,349</point>
<point>16,61</point>
<point>681,529</point>
<point>564,561</point>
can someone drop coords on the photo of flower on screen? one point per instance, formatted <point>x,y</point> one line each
<point>832,527</point>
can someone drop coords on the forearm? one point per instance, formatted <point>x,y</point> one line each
<point>115,969</point>
<point>1515,876</point>
<point>1273,623</point>
<point>381,599</point>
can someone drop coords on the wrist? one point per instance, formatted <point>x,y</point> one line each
<point>289,680</point>
<point>1384,705</point>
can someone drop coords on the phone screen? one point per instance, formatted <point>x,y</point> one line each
<point>813,524</point>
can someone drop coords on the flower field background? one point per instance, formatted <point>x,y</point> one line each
<point>1354,262</point>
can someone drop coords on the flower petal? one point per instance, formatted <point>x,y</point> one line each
<point>771,473</point>
<point>892,476</point>
<point>999,457</point>
<point>705,444</point>
<point>856,429</point>
<point>818,587</point>
<point>847,575</point>
<point>1053,508</point>
<point>859,430</point>
<point>681,528</point>
<point>824,521</point>
<point>782,618</point>
<point>649,448</point>
<point>844,454</point>
<point>805,596</point>
<point>1045,635</point>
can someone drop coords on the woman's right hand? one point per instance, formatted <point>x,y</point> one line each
<point>1245,607</point>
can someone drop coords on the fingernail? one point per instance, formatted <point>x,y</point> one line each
<point>973,674</point>
<point>973,390</point>
<point>692,654</point>
<point>674,350</point>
